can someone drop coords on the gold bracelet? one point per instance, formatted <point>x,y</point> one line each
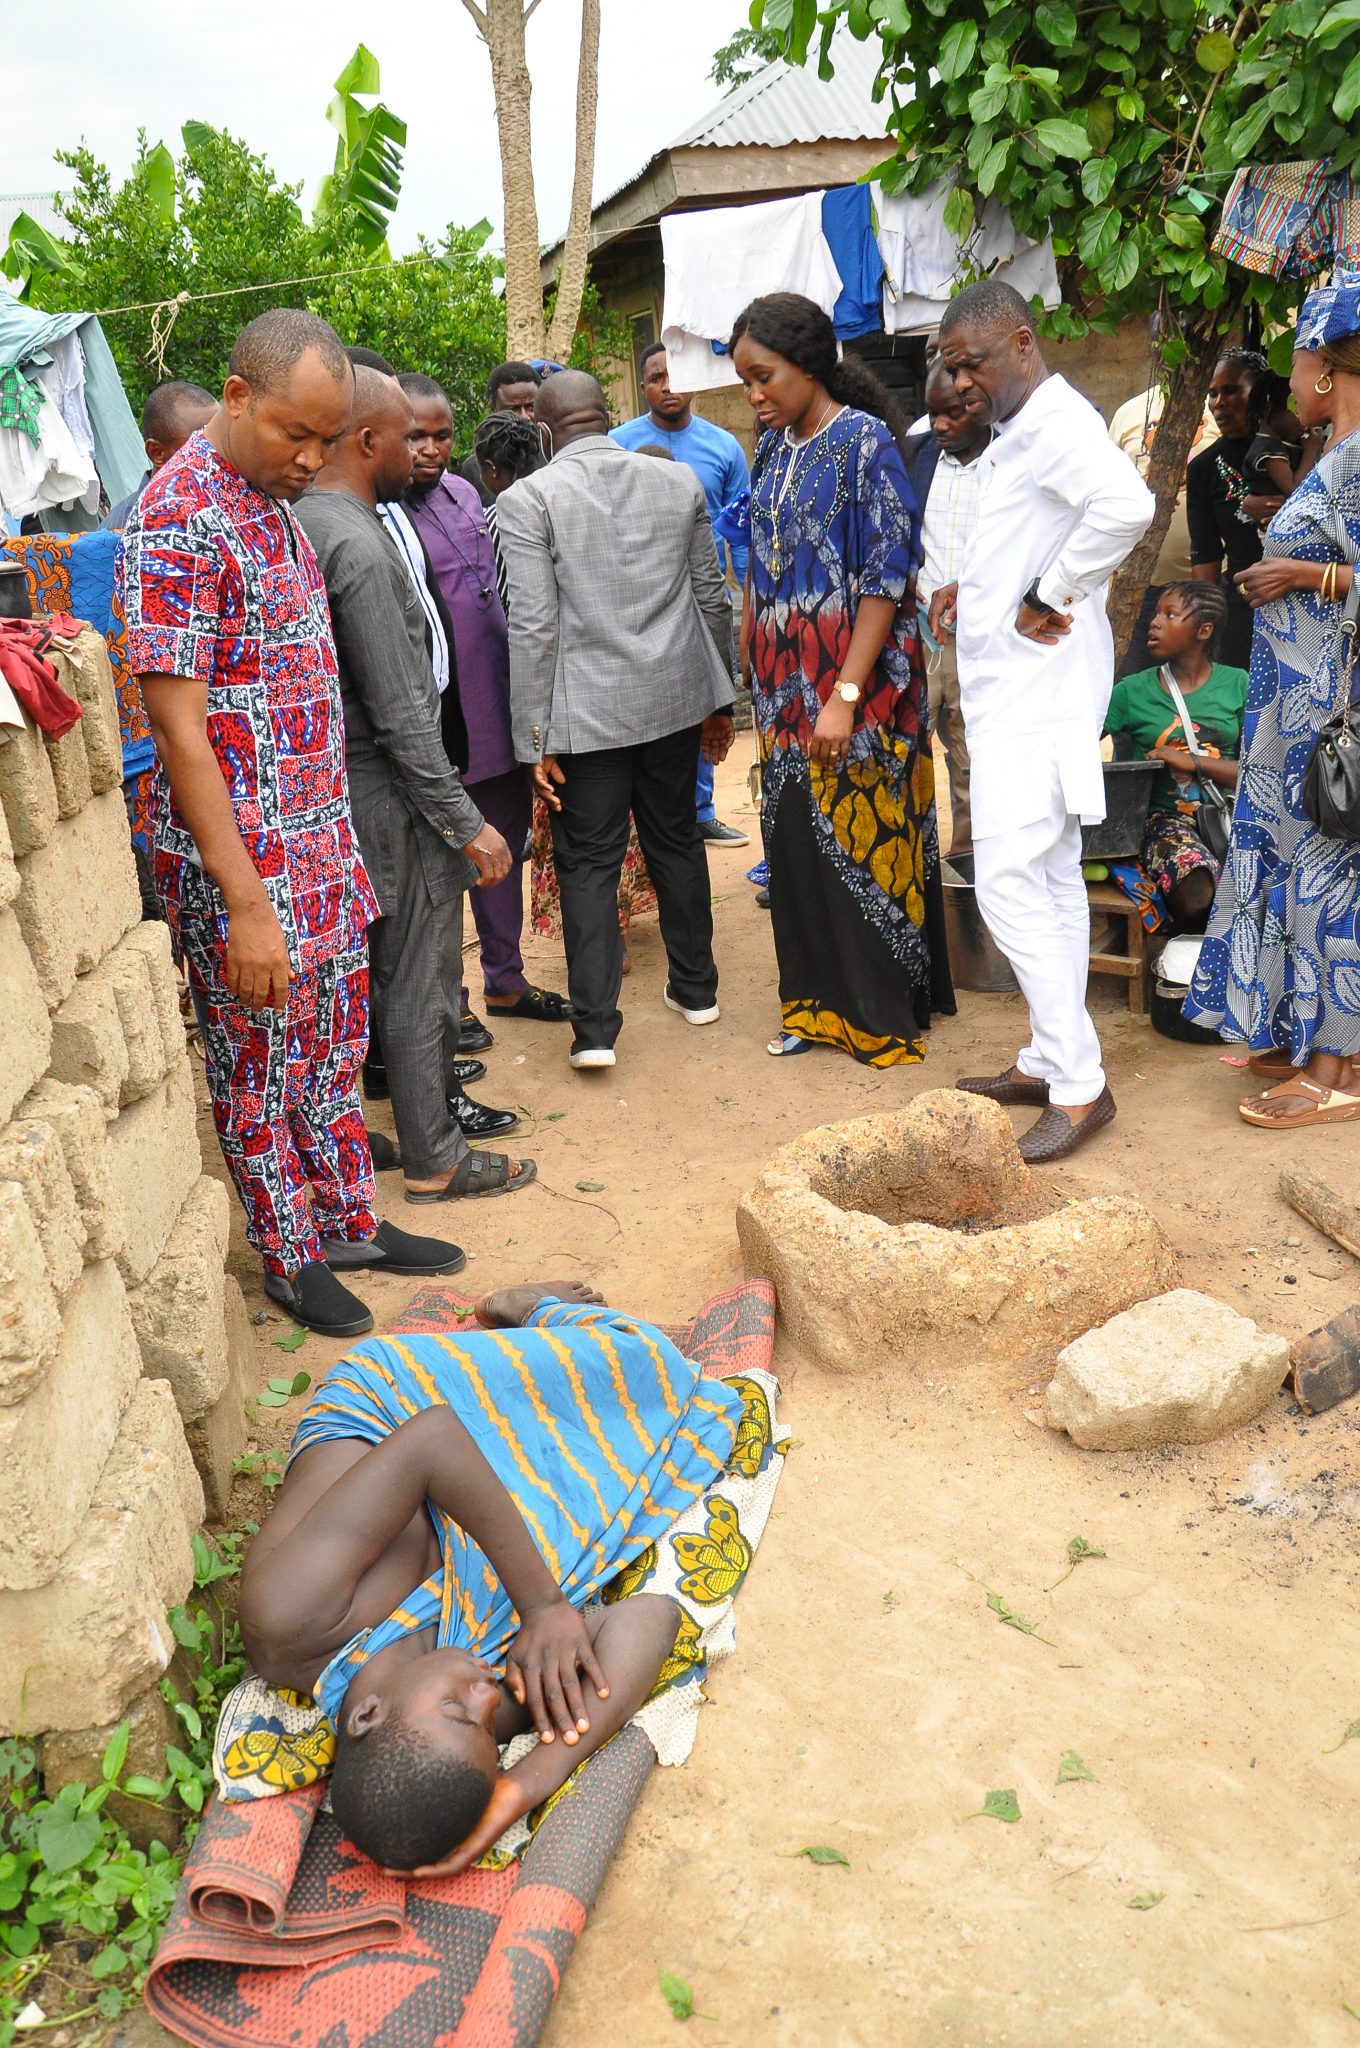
<point>1329,582</point>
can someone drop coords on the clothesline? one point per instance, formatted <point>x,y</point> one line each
<point>165,312</point>
<point>276,285</point>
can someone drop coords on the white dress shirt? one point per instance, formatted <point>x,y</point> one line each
<point>1059,505</point>
<point>947,522</point>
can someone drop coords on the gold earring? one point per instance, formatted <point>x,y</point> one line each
<point>1323,384</point>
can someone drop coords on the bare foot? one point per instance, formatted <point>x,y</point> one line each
<point>509,1307</point>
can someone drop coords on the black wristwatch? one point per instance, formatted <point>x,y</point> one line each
<point>1035,602</point>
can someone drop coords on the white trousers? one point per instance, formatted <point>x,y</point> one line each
<point>1032,896</point>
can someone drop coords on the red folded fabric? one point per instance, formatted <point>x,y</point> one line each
<point>33,680</point>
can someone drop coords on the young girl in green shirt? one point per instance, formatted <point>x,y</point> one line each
<point>1143,720</point>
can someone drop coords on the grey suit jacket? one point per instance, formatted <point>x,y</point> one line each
<point>620,623</point>
<point>408,802</point>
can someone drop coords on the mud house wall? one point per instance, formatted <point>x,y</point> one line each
<point>123,1341</point>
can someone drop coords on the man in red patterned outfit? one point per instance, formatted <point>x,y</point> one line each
<point>254,851</point>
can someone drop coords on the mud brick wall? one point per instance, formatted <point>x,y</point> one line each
<point>123,1341</point>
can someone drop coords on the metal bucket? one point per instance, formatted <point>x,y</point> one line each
<point>975,960</point>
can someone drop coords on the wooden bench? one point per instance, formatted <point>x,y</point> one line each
<point>1111,909</point>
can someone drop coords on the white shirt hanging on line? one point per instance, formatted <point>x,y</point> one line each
<point>719,259</point>
<point>50,471</point>
<point>1059,505</point>
<point>925,264</point>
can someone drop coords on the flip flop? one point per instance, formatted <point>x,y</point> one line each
<point>1317,1105</point>
<point>786,1045</point>
<point>543,1005</point>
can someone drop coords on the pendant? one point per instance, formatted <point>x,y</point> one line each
<point>775,560</point>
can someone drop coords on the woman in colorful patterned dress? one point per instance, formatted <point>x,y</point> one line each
<point>1280,968</point>
<point>830,634</point>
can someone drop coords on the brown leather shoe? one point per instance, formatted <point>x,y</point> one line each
<point>1010,1087</point>
<point>1055,1135</point>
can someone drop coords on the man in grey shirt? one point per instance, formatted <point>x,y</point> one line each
<point>619,632</point>
<point>422,837</point>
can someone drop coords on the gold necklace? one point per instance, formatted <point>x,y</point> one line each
<point>797,449</point>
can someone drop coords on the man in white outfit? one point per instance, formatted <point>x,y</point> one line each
<point>1059,509</point>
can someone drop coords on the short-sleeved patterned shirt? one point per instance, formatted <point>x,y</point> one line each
<point>219,583</point>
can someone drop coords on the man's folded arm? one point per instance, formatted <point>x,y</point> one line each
<point>1116,508</point>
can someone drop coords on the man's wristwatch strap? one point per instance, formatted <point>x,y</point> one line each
<point>1035,602</point>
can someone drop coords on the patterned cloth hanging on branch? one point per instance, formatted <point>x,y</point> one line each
<point>1290,220</point>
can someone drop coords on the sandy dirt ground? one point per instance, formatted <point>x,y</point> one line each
<point>1200,1670</point>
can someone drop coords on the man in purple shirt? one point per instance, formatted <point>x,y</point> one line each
<point>451,522</point>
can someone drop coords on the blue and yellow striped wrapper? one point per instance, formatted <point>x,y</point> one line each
<point>597,1427</point>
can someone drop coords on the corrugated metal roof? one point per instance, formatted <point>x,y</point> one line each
<point>41,206</point>
<point>785,103</point>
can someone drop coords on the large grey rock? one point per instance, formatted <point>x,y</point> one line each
<point>1178,1369</point>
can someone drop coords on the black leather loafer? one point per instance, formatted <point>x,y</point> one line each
<point>316,1299</point>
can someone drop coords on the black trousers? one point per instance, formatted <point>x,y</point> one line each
<point>655,781</point>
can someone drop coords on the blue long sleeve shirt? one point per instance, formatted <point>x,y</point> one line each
<point>717,459</point>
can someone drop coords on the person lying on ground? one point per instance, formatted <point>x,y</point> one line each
<point>451,1503</point>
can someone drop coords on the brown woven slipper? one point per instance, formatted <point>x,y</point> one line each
<point>1007,1088</point>
<point>1055,1135</point>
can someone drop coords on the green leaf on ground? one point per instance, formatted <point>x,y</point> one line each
<point>1143,1902</point>
<point>1071,1769</point>
<point>1350,2009</point>
<point>63,1842</point>
<point>292,1340</point>
<point>554,1116</point>
<point>890,1601</point>
<point>1352,1734</point>
<point>679,1997</point>
<point>1078,1552</point>
<point>1006,1615</point>
<point>1002,1805</point>
<point>591,1187</point>
<point>822,1854</point>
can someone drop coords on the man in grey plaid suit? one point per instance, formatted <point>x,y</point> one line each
<point>619,632</point>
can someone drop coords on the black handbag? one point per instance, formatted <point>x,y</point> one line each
<point>1331,781</point>
<point>1214,811</point>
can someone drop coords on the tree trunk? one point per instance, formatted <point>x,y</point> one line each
<point>572,276</point>
<point>1171,447</point>
<point>500,23</point>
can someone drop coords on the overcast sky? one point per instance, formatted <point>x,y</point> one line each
<point>95,72</point>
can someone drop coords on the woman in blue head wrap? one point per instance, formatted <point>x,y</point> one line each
<point>1280,967</point>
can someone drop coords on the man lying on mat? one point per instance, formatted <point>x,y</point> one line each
<point>451,1502</point>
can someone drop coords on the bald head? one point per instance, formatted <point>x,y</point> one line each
<point>376,451</point>
<point>571,405</point>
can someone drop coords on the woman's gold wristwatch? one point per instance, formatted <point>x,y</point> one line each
<point>849,693</point>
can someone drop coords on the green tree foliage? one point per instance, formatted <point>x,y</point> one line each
<point>231,223</point>
<point>1114,128</point>
<point>745,53</point>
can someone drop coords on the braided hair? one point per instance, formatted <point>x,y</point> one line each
<point>1207,604</point>
<point>1249,360</point>
<point>509,442</point>
<point>797,329</point>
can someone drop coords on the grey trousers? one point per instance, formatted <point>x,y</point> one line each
<point>415,964</point>
<point>946,720</point>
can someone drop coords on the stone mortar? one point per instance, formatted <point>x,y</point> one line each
<point>921,1239</point>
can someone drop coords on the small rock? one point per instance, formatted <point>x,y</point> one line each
<point>1179,1368</point>
<point>1293,1241</point>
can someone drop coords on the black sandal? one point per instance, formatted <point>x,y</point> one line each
<point>481,1173</point>
<point>541,1004</point>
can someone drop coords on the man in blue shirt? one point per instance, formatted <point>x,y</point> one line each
<point>719,461</point>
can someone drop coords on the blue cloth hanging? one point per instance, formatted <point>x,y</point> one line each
<point>848,224</point>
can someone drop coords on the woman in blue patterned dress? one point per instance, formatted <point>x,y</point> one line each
<point>1280,968</point>
<point>848,790</point>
